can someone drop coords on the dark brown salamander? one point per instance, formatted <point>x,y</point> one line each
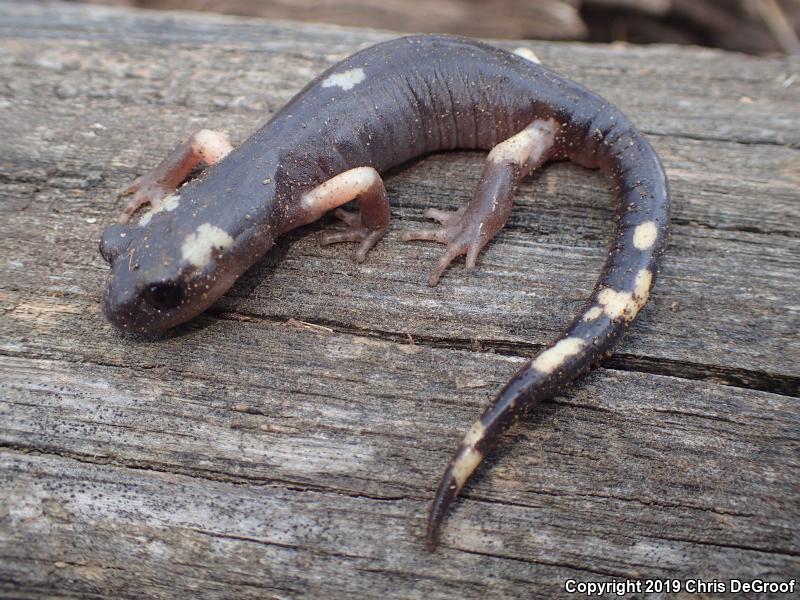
<point>374,110</point>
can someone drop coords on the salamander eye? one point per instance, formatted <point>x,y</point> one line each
<point>164,296</point>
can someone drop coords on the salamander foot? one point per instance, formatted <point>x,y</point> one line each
<point>356,232</point>
<point>203,148</point>
<point>458,232</point>
<point>368,225</point>
<point>145,192</point>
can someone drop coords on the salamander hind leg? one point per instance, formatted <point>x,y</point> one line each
<point>203,148</point>
<point>368,225</point>
<point>467,230</point>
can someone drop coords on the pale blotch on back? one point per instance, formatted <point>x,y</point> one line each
<point>346,80</point>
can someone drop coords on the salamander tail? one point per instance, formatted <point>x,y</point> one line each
<point>642,217</point>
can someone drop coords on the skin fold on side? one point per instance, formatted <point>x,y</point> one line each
<point>375,110</point>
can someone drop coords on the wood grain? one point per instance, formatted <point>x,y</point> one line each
<point>248,455</point>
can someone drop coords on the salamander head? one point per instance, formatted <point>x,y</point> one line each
<point>173,264</point>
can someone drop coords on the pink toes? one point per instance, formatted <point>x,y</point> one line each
<point>460,234</point>
<point>355,233</point>
<point>143,194</point>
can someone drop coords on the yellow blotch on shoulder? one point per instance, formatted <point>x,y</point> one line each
<point>197,246</point>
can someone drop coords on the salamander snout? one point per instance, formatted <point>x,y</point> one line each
<point>135,304</point>
<point>146,292</point>
<point>115,241</point>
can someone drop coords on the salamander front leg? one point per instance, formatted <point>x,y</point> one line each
<point>367,226</point>
<point>203,148</point>
<point>469,229</point>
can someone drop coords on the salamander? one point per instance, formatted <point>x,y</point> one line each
<point>328,145</point>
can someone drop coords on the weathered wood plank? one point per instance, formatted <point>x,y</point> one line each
<point>718,235</point>
<point>703,476</point>
<point>245,456</point>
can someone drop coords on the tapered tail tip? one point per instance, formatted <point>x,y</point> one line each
<point>461,467</point>
<point>447,492</point>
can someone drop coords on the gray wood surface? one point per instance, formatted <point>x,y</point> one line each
<point>250,455</point>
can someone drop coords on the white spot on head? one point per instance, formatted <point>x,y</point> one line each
<point>474,435</point>
<point>197,247</point>
<point>644,236</point>
<point>169,203</point>
<point>592,313</point>
<point>527,146</point>
<point>346,80</point>
<point>549,360</point>
<point>465,466</point>
<point>526,52</point>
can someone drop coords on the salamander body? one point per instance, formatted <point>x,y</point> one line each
<point>375,110</point>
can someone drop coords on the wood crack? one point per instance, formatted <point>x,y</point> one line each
<point>263,542</point>
<point>782,384</point>
<point>747,547</point>
<point>792,234</point>
<point>775,383</point>
<point>205,474</point>
<point>729,140</point>
<point>573,494</point>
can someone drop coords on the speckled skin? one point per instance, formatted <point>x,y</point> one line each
<point>412,96</point>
